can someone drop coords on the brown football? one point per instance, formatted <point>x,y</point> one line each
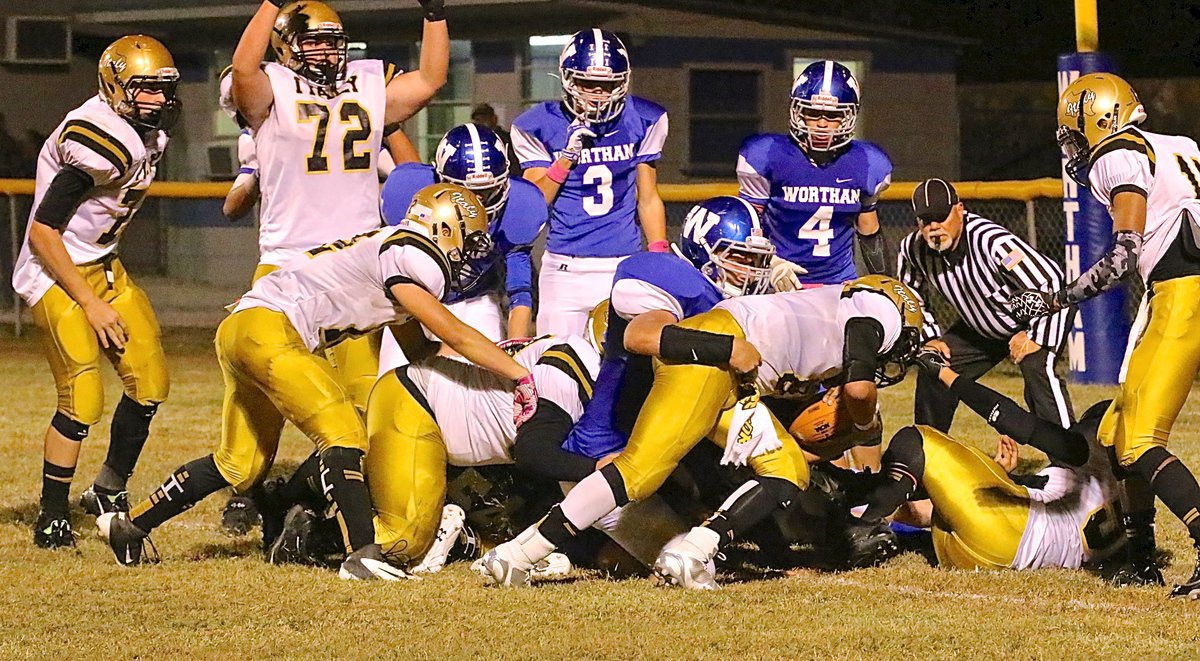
<point>822,420</point>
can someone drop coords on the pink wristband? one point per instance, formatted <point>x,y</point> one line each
<point>659,246</point>
<point>557,173</point>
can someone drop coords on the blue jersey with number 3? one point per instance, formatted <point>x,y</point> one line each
<point>810,210</point>
<point>625,379</point>
<point>595,212</point>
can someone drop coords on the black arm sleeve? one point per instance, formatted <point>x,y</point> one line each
<point>860,351</point>
<point>1063,446</point>
<point>65,193</point>
<point>872,249</point>
<point>538,449</point>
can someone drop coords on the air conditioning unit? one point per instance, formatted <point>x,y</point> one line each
<point>38,40</point>
<point>222,161</point>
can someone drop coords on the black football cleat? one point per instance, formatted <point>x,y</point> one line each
<point>291,544</point>
<point>52,532</point>
<point>97,502</point>
<point>129,544</point>
<point>1137,574</point>
<point>239,516</point>
<point>871,544</point>
<point>1191,588</point>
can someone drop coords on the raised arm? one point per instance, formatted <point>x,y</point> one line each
<point>251,87</point>
<point>409,92</point>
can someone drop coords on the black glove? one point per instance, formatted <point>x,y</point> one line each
<point>931,362</point>
<point>1032,303</point>
<point>435,10</point>
<point>279,3</point>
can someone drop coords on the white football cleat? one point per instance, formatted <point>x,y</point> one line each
<point>368,564</point>
<point>555,565</point>
<point>504,565</point>
<point>682,565</point>
<point>453,520</point>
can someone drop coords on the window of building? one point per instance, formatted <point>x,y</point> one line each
<point>724,109</point>
<point>539,70</point>
<point>452,105</point>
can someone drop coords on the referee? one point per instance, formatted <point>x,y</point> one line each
<point>977,266</point>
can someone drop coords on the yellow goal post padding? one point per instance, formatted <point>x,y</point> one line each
<point>1024,191</point>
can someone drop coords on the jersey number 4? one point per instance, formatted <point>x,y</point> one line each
<point>817,229</point>
<point>348,112</point>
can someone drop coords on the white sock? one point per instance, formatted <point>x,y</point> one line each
<point>590,500</point>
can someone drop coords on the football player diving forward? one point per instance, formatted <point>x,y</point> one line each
<point>318,121</point>
<point>92,175</point>
<point>1155,210</point>
<point>474,157</point>
<point>266,349</point>
<point>818,187</point>
<point>593,156</point>
<point>1067,515</point>
<point>868,326</point>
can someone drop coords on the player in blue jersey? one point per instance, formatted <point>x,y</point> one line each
<point>818,187</point>
<point>593,156</point>
<point>473,156</point>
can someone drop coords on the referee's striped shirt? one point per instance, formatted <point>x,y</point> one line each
<point>987,267</point>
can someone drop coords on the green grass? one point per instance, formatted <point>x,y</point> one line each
<point>212,596</point>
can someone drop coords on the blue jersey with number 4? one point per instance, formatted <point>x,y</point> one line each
<point>663,282</point>
<point>595,212</point>
<point>809,209</point>
<point>513,231</point>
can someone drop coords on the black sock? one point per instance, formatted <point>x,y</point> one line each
<point>903,468</point>
<point>556,528</point>
<point>188,485</point>
<point>130,428</point>
<point>346,489</point>
<point>754,501</point>
<point>56,489</point>
<point>304,486</point>
<point>1174,485</point>
<point>1139,537</point>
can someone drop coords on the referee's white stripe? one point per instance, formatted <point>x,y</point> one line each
<point>1060,402</point>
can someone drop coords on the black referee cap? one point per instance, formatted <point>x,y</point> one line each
<point>933,199</point>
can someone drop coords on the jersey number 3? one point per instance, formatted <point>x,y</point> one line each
<point>602,202</point>
<point>817,229</point>
<point>348,112</point>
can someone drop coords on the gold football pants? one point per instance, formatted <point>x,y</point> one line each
<point>979,513</point>
<point>73,350</point>
<point>686,404</point>
<point>271,376</point>
<point>1162,367</point>
<point>406,471</point>
<point>355,360</point>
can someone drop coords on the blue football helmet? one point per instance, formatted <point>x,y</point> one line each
<point>594,69</point>
<point>474,157</point>
<point>723,238</point>
<point>828,89</point>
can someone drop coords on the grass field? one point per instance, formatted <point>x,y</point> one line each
<point>213,596</point>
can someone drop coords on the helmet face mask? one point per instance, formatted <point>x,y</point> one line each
<point>1075,147</point>
<point>138,80</point>
<point>824,90</point>
<point>743,268</point>
<point>309,39</point>
<point>594,70</point>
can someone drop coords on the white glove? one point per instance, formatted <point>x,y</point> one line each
<point>577,133</point>
<point>784,274</point>
<point>247,154</point>
<point>751,432</point>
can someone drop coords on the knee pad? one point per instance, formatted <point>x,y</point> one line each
<point>82,397</point>
<point>907,448</point>
<point>76,431</point>
<point>780,490</point>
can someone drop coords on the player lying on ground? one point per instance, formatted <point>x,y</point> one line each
<point>1067,515</point>
<point>92,175</point>
<point>267,351</point>
<point>805,337</point>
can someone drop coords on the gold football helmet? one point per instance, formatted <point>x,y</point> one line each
<point>1090,109</point>
<point>894,363</point>
<point>597,325</point>
<point>138,79</point>
<point>309,38</point>
<point>455,219</point>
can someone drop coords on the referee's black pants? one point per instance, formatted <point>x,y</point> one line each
<point>973,355</point>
